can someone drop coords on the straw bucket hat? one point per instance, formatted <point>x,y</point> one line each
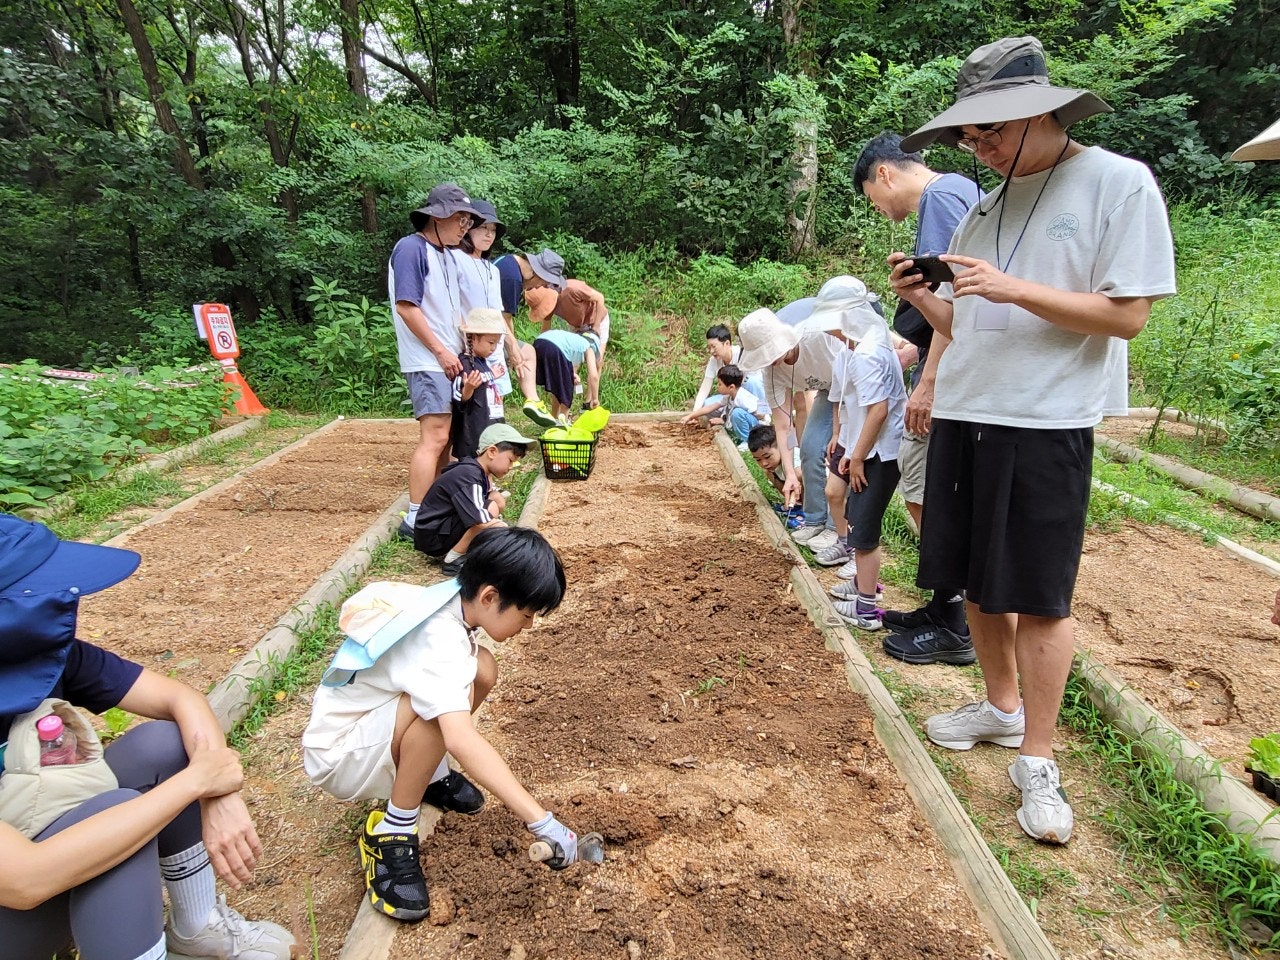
<point>483,320</point>
<point>765,339</point>
<point>1005,80</point>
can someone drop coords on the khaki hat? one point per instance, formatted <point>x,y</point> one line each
<point>1005,80</point>
<point>1265,146</point>
<point>496,433</point>
<point>484,320</point>
<point>765,339</point>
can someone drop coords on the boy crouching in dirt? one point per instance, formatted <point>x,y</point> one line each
<point>762,441</point>
<point>463,501</point>
<point>383,731</point>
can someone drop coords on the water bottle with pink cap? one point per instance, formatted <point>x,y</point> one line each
<point>57,744</point>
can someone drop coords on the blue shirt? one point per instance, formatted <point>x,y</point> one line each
<point>572,345</point>
<point>510,282</point>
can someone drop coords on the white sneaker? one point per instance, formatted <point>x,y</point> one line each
<point>848,590</point>
<point>972,724</point>
<point>849,571</point>
<point>1045,814</point>
<point>847,610</point>
<point>806,533</point>
<point>833,556</point>
<point>229,936</point>
<point>822,540</point>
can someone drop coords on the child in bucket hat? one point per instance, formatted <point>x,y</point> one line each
<point>1061,262</point>
<point>476,400</point>
<point>172,774</point>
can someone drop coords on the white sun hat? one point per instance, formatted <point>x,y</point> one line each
<point>765,339</point>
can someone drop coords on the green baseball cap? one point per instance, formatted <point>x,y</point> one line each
<point>501,433</point>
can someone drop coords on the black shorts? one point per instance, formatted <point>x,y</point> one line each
<point>1004,515</point>
<point>554,371</point>
<point>865,508</point>
<point>438,537</point>
<point>833,463</point>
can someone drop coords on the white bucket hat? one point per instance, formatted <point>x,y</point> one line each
<point>765,339</point>
<point>1005,80</point>
<point>484,320</point>
<point>1265,146</point>
<point>838,296</point>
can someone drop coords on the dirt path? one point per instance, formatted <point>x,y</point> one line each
<point>681,703</point>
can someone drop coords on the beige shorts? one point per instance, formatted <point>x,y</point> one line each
<point>358,766</point>
<point>911,458</point>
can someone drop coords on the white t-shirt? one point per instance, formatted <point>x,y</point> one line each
<point>479,286</point>
<point>421,273</point>
<point>744,400</point>
<point>435,664</point>
<point>1099,227</point>
<point>864,376</point>
<point>714,364</point>
<point>811,371</point>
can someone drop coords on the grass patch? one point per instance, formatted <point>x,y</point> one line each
<point>1204,452</point>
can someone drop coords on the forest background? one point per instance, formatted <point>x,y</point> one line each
<point>692,158</point>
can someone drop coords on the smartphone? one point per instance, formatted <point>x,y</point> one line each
<point>934,269</point>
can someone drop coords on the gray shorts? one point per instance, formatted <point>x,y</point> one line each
<point>430,391</point>
<point>911,459</point>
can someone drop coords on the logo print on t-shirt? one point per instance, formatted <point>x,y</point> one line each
<point>1063,226</point>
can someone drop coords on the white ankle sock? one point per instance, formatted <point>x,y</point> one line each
<point>412,515</point>
<point>1007,716</point>
<point>396,820</point>
<point>188,878</point>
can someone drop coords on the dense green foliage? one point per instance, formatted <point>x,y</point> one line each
<point>253,161</point>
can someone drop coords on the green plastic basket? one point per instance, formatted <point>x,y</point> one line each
<point>568,459</point>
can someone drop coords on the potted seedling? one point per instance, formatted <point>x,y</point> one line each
<point>1264,764</point>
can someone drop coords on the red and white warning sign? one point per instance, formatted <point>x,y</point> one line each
<point>213,324</point>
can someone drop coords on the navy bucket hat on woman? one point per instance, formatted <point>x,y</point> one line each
<point>42,580</point>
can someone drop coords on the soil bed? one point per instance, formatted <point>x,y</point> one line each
<point>681,703</point>
<point>216,577</point>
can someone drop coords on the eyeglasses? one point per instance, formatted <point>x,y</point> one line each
<point>464,220</point>
<point>988,137</point>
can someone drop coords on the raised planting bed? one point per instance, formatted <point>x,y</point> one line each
<point>682,703</point>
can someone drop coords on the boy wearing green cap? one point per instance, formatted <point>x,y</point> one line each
<point>463,501</point>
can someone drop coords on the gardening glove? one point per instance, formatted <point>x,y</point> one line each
<point>562,840</point>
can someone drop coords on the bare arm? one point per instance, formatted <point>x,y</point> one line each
<point>229,835</point>
<point>31,873</point>
<point>920,403</point>
<point>877,414</point>
<point>478,758</point>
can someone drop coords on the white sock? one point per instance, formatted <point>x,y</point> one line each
<point>442,771</point>
<point>157,952</point>
<point>188,878</point>
<point>1007,716</point>
<point>451,556</point>
<point>396,820</point>
<point>412,515</point>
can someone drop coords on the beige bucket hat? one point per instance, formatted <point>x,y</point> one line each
<point>484,320</point>
<point>1265,146</point>
<point>1005,80</point>
<point>765,339</point>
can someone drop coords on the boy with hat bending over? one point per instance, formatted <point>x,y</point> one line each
<point>423,282</point>
<point>1067,254</point>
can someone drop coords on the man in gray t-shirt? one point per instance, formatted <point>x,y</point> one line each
<point>1068,253</point>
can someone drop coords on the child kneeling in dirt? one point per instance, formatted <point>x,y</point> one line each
<point>736,408</point>
<point>388,711</point>
<point>762,442</point>
<point>463,501</point>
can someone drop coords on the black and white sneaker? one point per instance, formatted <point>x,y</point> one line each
<point>454,793</point>
<point>930,643</point>
<point>392,873</point>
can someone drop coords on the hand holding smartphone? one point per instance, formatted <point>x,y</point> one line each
<point>932,269</point>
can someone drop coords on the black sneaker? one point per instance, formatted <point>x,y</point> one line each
<point>452,568</point>
<point>898,621</point>
<point>931,643</point>
<point>454,793</point>
<point>392,873</point>
<point>404,531</point>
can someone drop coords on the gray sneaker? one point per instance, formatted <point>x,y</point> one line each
<point>1045,814</point>
<point>847,610</point>
<point>833,556</point>
<point>972,724</point>
<point>807,533</point>
<point>232,936</point>
<point>848,590</point>
<point>849,571</point>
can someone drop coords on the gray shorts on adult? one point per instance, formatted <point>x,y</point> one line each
<point>911,460</point>
<point>430,392</point>
<point>1004,515</point>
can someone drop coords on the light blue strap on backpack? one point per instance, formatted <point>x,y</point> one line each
<point>355,655</point>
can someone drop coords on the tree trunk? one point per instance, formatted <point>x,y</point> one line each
<point>352,44</point>
<point>802,193</point>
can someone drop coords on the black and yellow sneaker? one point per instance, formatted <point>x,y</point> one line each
<point>392,873</point>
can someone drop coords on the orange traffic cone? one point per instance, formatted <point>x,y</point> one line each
<point>247,403</point>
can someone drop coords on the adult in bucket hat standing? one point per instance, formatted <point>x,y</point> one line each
<point>94,872</point>
<point>424,286</point>
<point>1069,252</point>
<point>794,360</point>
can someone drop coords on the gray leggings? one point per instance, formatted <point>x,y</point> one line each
<point>118,915</point>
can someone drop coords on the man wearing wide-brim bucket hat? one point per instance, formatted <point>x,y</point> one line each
<point>423,283</point>
<point>794,361</point>
<point>1069,252</point>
